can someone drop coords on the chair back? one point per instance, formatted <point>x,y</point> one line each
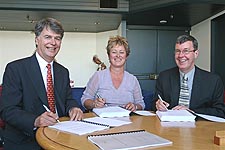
<point>77,93</point>
<point>148,98</point>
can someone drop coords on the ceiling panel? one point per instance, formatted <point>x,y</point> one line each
<point>72,21</point>
<point>183,14</point>
<point>75,15</point>
<point>86,16</point>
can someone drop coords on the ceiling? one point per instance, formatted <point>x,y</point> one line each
<point>21,17</point>
<point>179,13</point>
<point>72,21</point>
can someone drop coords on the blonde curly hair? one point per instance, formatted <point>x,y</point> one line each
<point>118,40</point>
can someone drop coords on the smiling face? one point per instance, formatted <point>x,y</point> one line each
<point>117,56</point>
<point>48,44</point>
<point>185,62</point>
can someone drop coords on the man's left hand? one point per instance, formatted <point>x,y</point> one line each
<point>75,114</point>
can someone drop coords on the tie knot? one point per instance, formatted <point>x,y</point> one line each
<point>185,78</point>
<point>48,66</point>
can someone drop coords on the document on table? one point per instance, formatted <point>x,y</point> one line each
<point>186,124</point>
<point>79,127</point>
<point>107,121</point>
<point>210,118</point>
<point>175,115</point>
<point>128,140</point>
<point>111,111</point>
<point>144,113</point>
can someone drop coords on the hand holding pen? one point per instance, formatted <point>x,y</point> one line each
<point>47,118</point>
<point>46,108</point>
<point>161,104</point>
<point>100,102</point>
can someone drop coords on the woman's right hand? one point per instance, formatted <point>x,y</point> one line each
<point>99,102</point>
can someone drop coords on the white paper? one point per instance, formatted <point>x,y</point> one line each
<point>107,121</point>
<point>78,127</point>
<point>111,111</point>
<point>128,140</point>
<point>175,115</point>
<point>144,113</point>
<point>211,118</point>
<point>181,124</point>
<point>127,119</point>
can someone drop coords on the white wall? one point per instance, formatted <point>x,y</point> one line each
<point>14,45</point>
<point>76,52</point>
<point>79,48</point>
<point>202,32</point>
<point>76,55</point>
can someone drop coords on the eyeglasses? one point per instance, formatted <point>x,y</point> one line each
<point>184,52</point>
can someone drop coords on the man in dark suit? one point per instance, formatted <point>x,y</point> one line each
<point>205,89</point>
<point>24,90</point>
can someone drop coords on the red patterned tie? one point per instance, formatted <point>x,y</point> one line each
<point>50,90</point>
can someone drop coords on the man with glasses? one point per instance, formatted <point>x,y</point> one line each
<point>187,86</point>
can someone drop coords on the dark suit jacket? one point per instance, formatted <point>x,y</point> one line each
<point>207,91</point>
<point>23,97</point>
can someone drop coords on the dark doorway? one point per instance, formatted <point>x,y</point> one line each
<point>152,51</point>
<point>218,46</point>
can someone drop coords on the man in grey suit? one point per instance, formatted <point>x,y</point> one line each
<point>205,89</point>
<point>24,90</point>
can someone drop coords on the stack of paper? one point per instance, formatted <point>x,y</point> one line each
<point>128,140</point>
<point>175,115</point>
<point>186,124</point>
<point>111,111</point>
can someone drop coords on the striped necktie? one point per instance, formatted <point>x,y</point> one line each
<point>184,92</point>
<point>50,90</point>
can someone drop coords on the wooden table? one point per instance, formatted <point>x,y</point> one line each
<point>199,135</point>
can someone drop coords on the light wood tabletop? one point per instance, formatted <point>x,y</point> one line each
<point>184,135</point>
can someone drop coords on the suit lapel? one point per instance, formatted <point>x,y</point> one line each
<point>58,83</point>
<point>36,77</point>
<point>195,86</point>
<point>175,79</point>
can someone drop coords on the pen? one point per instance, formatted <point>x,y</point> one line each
<point>46,108</point>
<point>98,95</point>
<point>101,98</point>
<point>160,98</point>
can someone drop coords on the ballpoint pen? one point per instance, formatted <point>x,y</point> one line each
<point>46,108</point>
<point>160,98</point>
<point>98,95</point>
<point>101,98</point>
